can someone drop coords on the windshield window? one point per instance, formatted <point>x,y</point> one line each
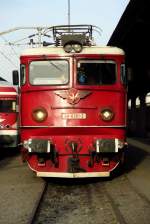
<point>49,72</point>
<point>7,106</point>
<point>96,72</point>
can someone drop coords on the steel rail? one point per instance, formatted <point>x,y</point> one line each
<point>37,203</point>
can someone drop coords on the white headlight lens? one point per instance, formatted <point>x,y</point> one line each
<point>107,114</point>
<point>39,114</point>
<point>68,48</point>
<point>77,48</point>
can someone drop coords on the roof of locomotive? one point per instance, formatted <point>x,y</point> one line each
<point>5,84</point>
<point>8,86</point>
<point>86,50</point>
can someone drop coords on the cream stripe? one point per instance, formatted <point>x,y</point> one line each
<point>73,175</point>
<point>8,132</point>
<point>8,93</point>
<point>103,126</point>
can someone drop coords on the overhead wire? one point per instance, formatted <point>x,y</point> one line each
<point>12,48</point>
<point>8,59</point>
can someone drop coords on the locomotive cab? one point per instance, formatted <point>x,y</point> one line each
<point>73,106</point>
<point>8,115</point>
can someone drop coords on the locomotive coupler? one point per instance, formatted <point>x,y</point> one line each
<point>54,156</point>
<point>74,145</point>
<point>74,161</point>
<point>92,158</point>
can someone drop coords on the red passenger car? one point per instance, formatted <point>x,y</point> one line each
<point>8,115</point>
<point>73,106</point>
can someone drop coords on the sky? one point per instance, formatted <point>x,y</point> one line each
<point>15,13</point>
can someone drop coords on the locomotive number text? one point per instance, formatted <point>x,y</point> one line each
<point>73,116</point>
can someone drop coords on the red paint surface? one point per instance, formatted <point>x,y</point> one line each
<point>59,130</point>
<point>10,118</point>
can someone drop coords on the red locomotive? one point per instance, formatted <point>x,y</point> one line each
<point>73,106</point>
<point>8,115</point>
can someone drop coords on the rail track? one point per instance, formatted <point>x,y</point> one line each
<point>74,201</point>
<point>88,201</point>
<point>38,203</point>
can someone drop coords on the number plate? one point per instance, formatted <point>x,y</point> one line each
<point>74,116</point>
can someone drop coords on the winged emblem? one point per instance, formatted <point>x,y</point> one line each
<point>72,95</point>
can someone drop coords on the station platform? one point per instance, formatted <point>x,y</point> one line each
<point>138,162</point>
<point>19,190</point>
<point>142,143</point>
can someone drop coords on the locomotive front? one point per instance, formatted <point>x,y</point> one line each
<point>73,107</point>
<point>8,116</point>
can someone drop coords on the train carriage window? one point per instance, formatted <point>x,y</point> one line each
<point>49,72</point>
<point>96,72</point>
<point>7,106</point>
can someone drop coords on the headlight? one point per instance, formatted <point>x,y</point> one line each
<point>77,48</point>
<point>39,114</point>
<point>73,47</point>
<point>107,114</point>
<point>68,48</point>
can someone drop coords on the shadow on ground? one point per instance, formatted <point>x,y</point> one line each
<point>8,153</point>
<point>133,157</point>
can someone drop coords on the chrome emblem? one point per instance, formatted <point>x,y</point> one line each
<point>72,95</point>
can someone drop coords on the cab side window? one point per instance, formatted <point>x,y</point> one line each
<point>22,75</point>
<point>123,75</point>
